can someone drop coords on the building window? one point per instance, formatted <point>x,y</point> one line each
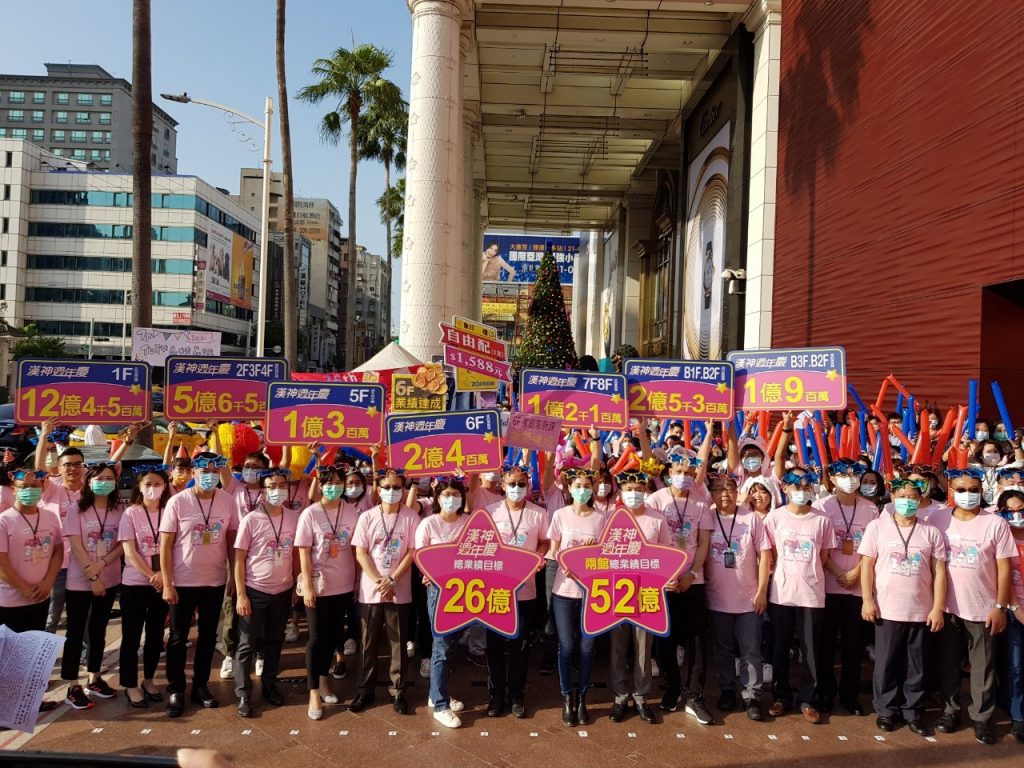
<point>19,133</point>
<point>3,258</point>
<point>39,97</point>
<point>5,225</point>
<point>38,115</point>
<point>78,137</point>
<point>83,117</point>
<point>61,98</point>
<point>3,290</point>
<point>57,134</point>
<point>16,115</point>
<point>57,151</point>
<point>104,118</point>
<point>656,291</point>
<point>95,155</point>
<point>97,137</point>
<point>172,299</point>
<point>80,328</point>
<point>60,117</point>
<point>106,155</point>
<point>78,154</point>
<point>84,99</point>
<point>16,97</point>
<point>170,266</point>
<point>7,191</point>
<point>38,134</point>
<point>64,263</point>
<point>74,295</point>
<point>106,99</point>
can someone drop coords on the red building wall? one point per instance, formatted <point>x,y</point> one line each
<point>901,191</point>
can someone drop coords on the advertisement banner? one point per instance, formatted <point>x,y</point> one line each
<point>579,399</point>
<point>329,414</point>
<point>154,345</point>
<point>224,388</point>
<point>433,444</point>
<point>679,389</point>
<point>534,433</point>
<point>812,378</point>
<point>243,256</point>
<point>479,576</point>
<point>515,258</point>
<point>82,392</point>
<point>219,248</point>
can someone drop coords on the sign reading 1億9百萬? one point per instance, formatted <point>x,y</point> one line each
<point>516,258</point>
<point>812,378</point>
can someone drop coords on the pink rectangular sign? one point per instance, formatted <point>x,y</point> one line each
<point>811,378</point>
<point>533,432</point>
<point>470,361</point>
<point>680,389</point>
<point>577,398</point>
<point>225,388</point>
<point>326,413</point>
<point>434,444</point>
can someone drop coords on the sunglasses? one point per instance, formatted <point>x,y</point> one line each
<point>630,477</point>
<point>977,474</point>
<point>510,484</point>
<point>215,462</point>
<point>793,478</point>
<point>1005,474</point>
<point>143,469</point>
<point>275,473</point>
<point>392,488</point>
<point>388,471</point>
<point>686,461</point>
<point>21,474</point>
<point>576,474</point>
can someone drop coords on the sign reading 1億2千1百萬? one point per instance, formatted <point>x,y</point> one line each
<point>327,413</point>
<point>579,399</point>
<point>442,443</point>
<point>224,388</point>
<point>813,378</point>
<point>680,389</point>
<point>82,392</point>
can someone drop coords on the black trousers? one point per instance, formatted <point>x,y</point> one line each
<point>690,629</point>
<point>898,682</point>
<point>261,631</point>
<point>325,633</point>
<point>207,602</point>
<point>808,625</point>
<point>507,658</point>
<point>25,618</point>
<point>86,613</point>
<point>843,628</point>
<point>420,618</point>
<point>142,608</point>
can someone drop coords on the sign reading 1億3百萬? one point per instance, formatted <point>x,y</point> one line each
<point>812,378</point>
<point>327,413</point>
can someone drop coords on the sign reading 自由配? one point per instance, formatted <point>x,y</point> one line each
<point>326,413</point>
<point>433,444</point>
<point>82,392</point>
<point>478,358</point>
<point>203,388</point>
<point>812,378</point>
<point>155,345</point>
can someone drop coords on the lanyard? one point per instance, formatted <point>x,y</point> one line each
<point>152,528</point>
<point>204,513</point>
<point>906,541</point>
<point>249,500</point>
<point>103,522</point>
<point>277,531</point>
<point>291,496</point>
<point>681,517</point>
<point>337,520</point>
<point>33,529</point>
<point>515,528</point>
<point>728,538</point>
<point>853,515</point>
<point>388,534</point>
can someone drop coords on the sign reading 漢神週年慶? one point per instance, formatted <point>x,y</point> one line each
<point>442,443</point>
<point>580,399</point>
<point>224,388</point>
<point>680,389</point>
<point>326,413</point>
<point>790,379</point>
<point>82,392</point>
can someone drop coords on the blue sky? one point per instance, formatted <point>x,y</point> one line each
<point>223,50</point>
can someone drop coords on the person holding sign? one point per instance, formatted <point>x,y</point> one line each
<point>385,542</point>
<point>264,571</point>
<point>737,568</point>
<point>520,523</point>
<point>576,525</point>
<point>93,577</point>
<point>903,582</point>
<point>197,538</point>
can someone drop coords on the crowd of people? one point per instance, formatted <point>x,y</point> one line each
<point>788,565</point>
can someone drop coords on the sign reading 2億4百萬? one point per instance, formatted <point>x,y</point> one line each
<point>813,378</point>
<point>224,388</point>
<point>680,389</point>
<point>433,444</point>
<point>82,392</point>
<point>327,413</point>
<point>578,398</point>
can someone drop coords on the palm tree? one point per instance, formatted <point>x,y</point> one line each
<point>291,298</point>
<point>383,136</point>
<point>352,81</point>
<point>392,211</point>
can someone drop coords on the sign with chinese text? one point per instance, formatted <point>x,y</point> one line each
<point>790,379</point>
<point>82,392</point>
<point>409,397</point>
<point>329,414</point>
<point>534,433</point>
<point>475,378</point>
<point>432,444</point>
<point>624,577</point>
<point>478,576</point>
<point>224,388</point>
<point>155,345</point>
<point>515,258</point>
<point>680,389</point>
<point>579,399</point>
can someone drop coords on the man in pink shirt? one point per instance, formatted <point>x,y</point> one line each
<point>980,550</point>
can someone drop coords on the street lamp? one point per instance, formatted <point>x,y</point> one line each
<point>268,111</point>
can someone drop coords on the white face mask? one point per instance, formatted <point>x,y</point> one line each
<point>801,497</point>
<point>152,492</point>
<point>250,475</point>
<point>979,435</point>
<point>450,503</point>
<point>848,483</point>
<point>681,482</point>
<point>391,496</point>
<point>751,463</point>
<point>276,496</point>
<point>489,477</point>
<point>868,489</point>
<point>1014,487</point>
<point>633,499</point>
<point>991,459</point>
<point>603,489</point>
<point>352,491</point>
<point>967,499</point>
<point>515,493</point>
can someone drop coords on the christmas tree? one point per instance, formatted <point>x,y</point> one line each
<point>547,338</point>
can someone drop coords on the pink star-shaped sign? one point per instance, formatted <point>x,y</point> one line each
<point>624,577</point>
<point>478,575</point>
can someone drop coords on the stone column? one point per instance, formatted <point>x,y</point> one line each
<point>432,248</point>
<point>470,214</point>
<point>765,22</point>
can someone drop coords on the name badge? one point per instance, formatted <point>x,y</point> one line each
<point>847,546</point>
<point>207,536</point>
<point>729,558</point>
<point>334,550</point>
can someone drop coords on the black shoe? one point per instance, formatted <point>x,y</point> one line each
<point>142,703</point>
<point>154,696</point>
<point>727,701</point>
<point>887,724</point>
<point>245,705</point>
<point>1017,729</point>
<point>646,713</point>
<point>496,706</point>
<point>518,709</point>
<point>176,705</point>
<point>617,713</point>
<point>400,704</point>
<point>983,733</point>
<point>339,670</point>
<point>360,702</point>
<point>754,711</point>
<point>547,667</point>
<point>826,705</point>
<point>272,695</point>
<point>947,723</point>
<point>201,695</point>
<point>670,701</point>
<point>853,707</point>
<point>569,710</point>
<point>918,726</point>
<point>582,715</point>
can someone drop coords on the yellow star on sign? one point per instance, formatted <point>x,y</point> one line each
<point>136,389</point>
<point>721,387</point>
<point>831,375</point>
<point>616,398</point>
<point>488,437</point>
<point>371,411</point>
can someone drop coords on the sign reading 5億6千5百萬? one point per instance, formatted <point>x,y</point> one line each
<point>82,392</point>
<point>680,389</point>
<point>327,413</point>
<point>431,444</point>
<point>579,399</point>
<point>202,388</point>
<point>790,379</point>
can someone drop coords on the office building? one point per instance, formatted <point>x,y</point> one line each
<point>373,304</point>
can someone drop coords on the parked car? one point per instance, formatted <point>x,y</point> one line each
<point>188,435</point>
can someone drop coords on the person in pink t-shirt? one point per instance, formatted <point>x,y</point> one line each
<point>981,550</point>
<point>264,572</point>
<point>736,573</point>
<point>385,542</point>
<point>802,542</point>
<point>1010,505</point>
<point>142,603</point>
<point>903,581</point>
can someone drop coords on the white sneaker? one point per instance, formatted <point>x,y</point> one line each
<point>291,632</point>
<point>227,668</point>
<point>766,673</point>
<point>739,666</point>
<point>410,649</point>
<point>655,670</point>
<point>453,704</point>
<point>259,668</point>
<point>350,647</point>
<point>425,669</point>
<point>448,719</point>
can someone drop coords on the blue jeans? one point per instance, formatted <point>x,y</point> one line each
<point>1011,669</point>
<point>569,626</point>
<point>440,657</point>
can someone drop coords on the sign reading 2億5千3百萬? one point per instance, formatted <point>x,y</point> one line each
<point>327,413</point>
<point>790,379</point>
<point>433,444</point>
<point>202,388</point>
<point>579,399</point>
<point>680,389</point>
<point>82,392</point>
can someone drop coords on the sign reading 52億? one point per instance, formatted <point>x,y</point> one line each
<point>327,413</point>
<point>790,379</point>
<point>82,392</point>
